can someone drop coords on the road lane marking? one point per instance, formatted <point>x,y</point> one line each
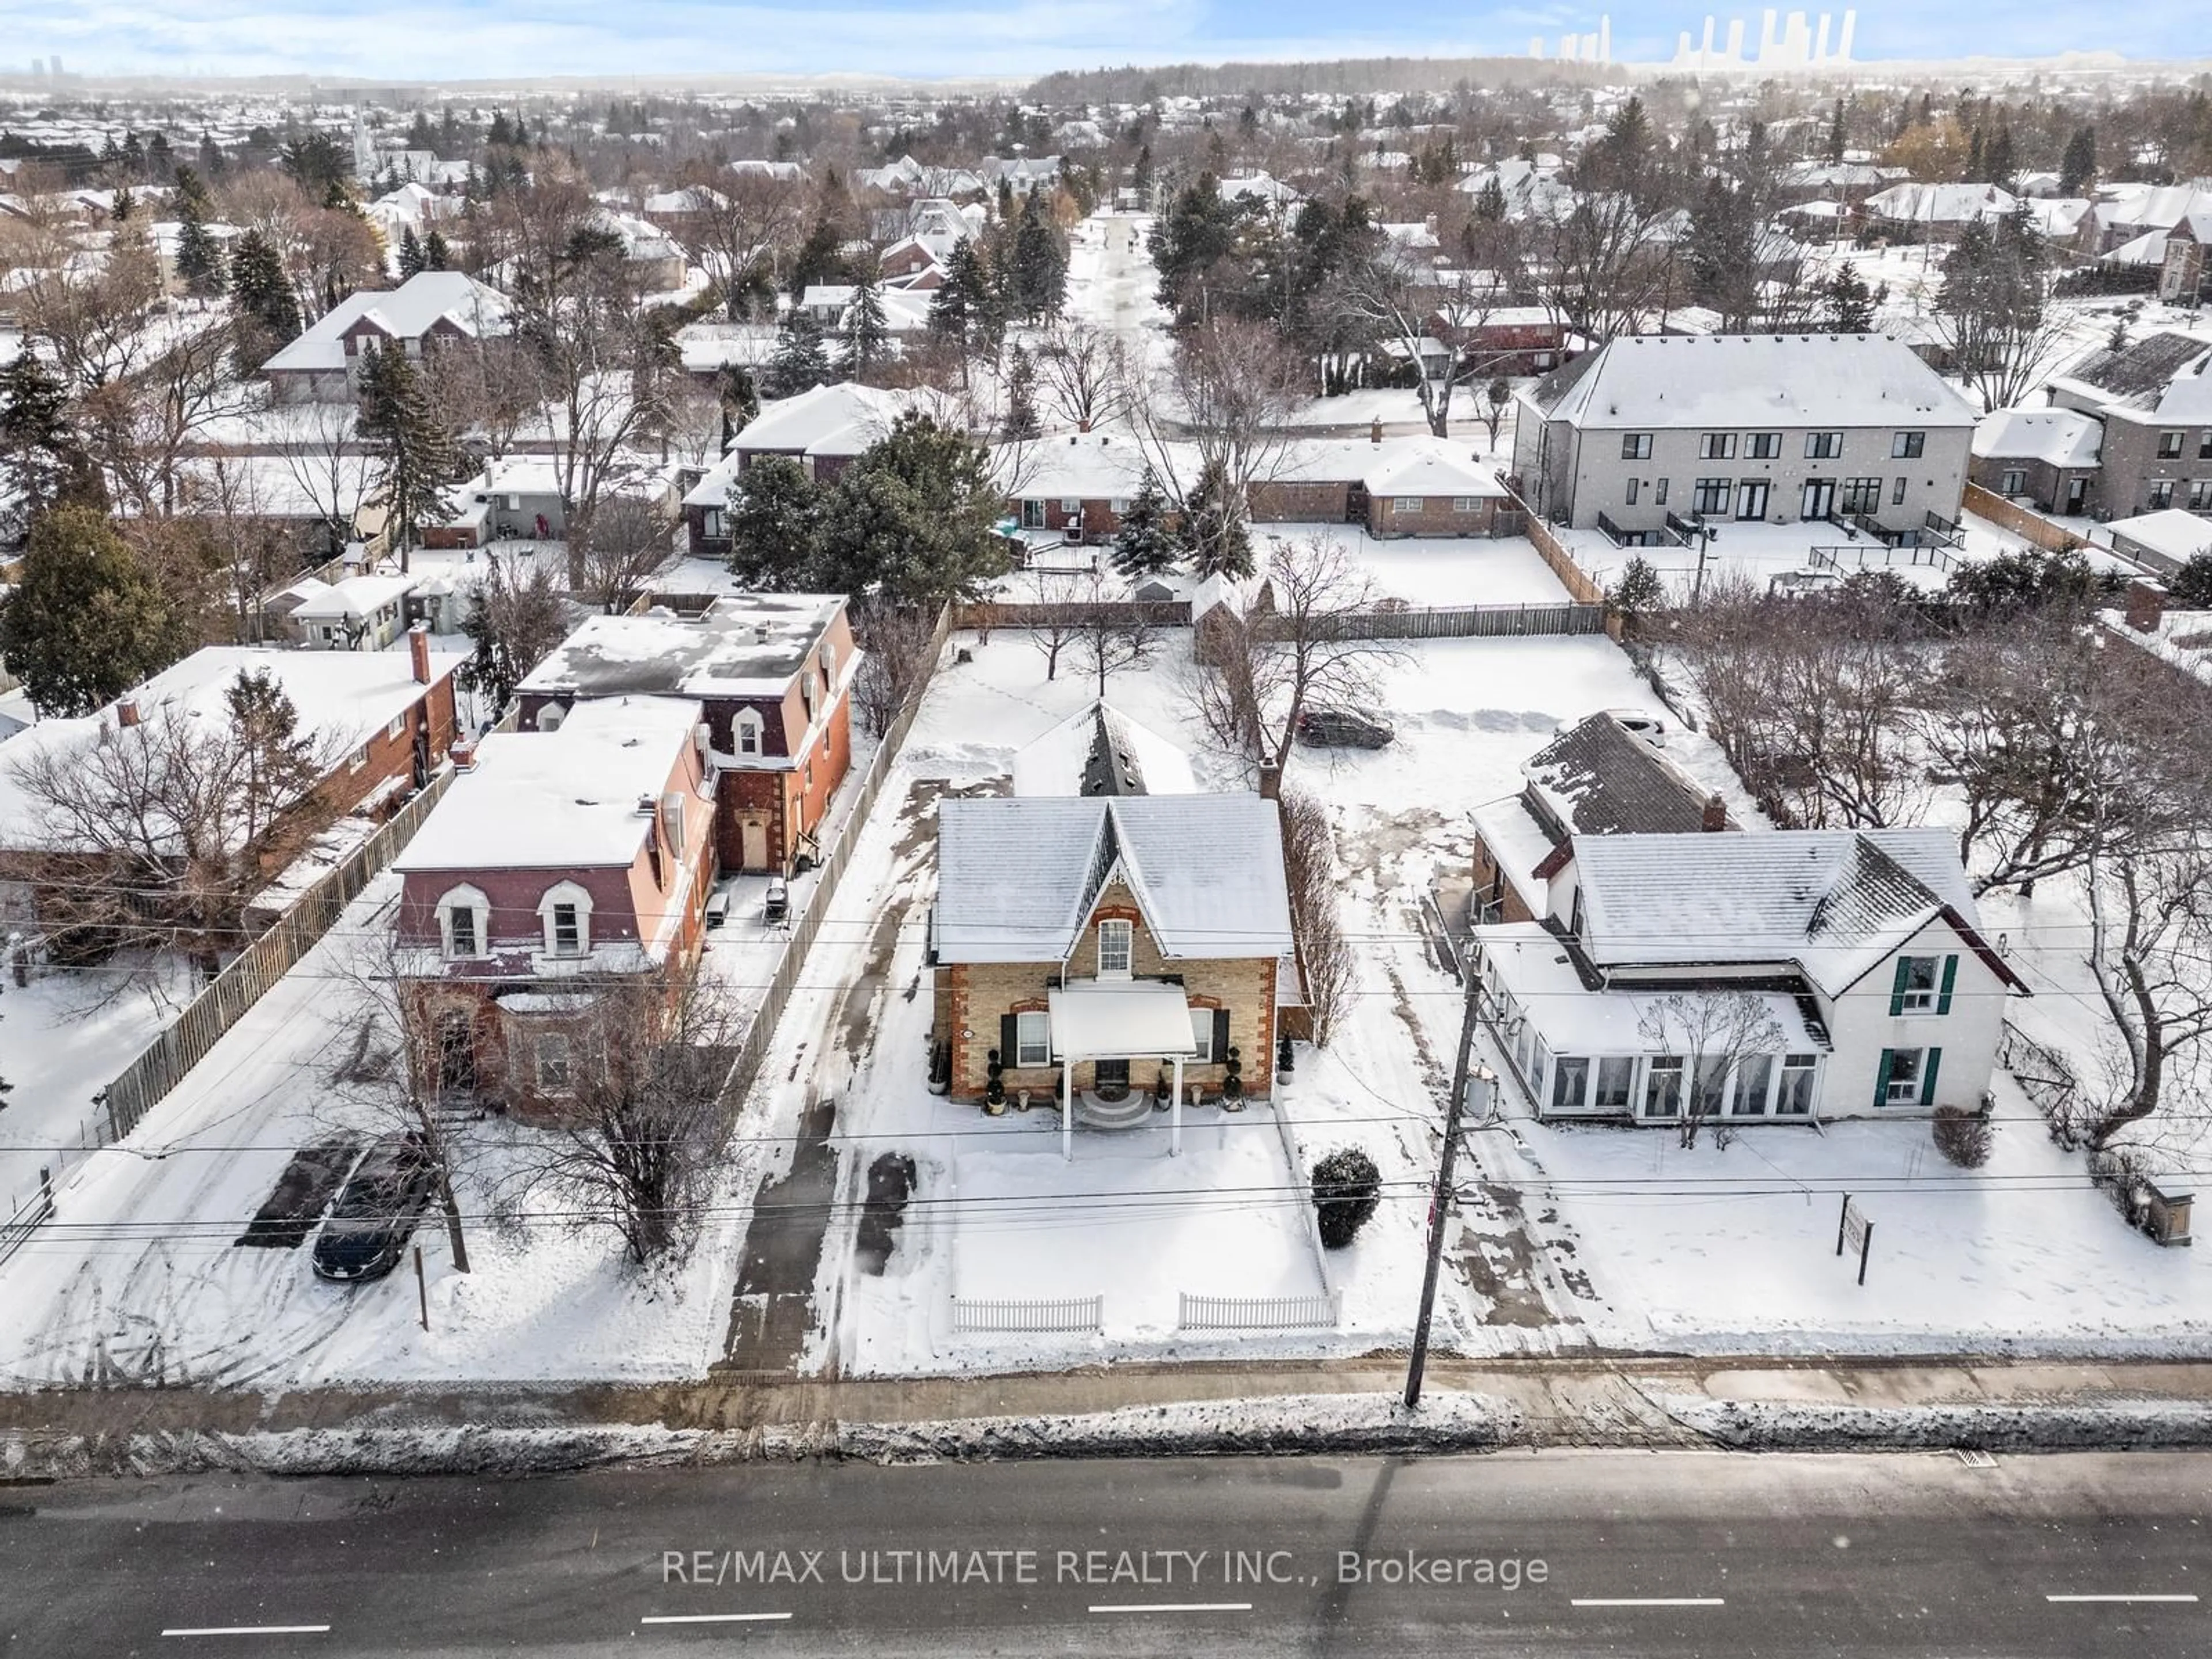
<point>1170,1607</point>
<point>1648,1601</point>
<point>2120,1598</point>
<point>252,1630</point>
<point>712,1618</point>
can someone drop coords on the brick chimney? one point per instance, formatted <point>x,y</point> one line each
<point>2146,606</point>
<point>464,754</point>
<point>126,711</point>
<point>418,652</point>
<point>1374,430</point>
<point>1270,782</point>
<point>1716,816</point>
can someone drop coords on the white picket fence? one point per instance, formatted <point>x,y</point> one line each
<point>1029,1316</point>
<point>1259,1313</point>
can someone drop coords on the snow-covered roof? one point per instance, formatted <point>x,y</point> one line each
<point>1834,902</point>
<point>1745,380</point>
<point>1599,779</point>
<point>355,596</point>
<point>1430,466</point>
<point>566,799</point>
<point>2168,533</point>
<point>744,645</point>
<point>1942,205</point>
<point>1017,877</point>
<point>843,419</point>
<point>406,313</point>
<point>343,698</point>
<point>2059,437</point>
<point>1099,750</point>
<point>1107,465</point>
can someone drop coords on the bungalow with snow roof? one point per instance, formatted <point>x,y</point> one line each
<point>1789,976</point>
<point>563,864</point>
<point>430,309</point>
<point>2049,456</point>
<point>824,430</point>
<point>1107,953</point>
<point>773,673</point>
<point>1758,428</point>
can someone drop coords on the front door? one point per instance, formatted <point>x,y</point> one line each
<point>2077,494</point>
<point>1751,499</point>
<point>1111,1078</point>
<point>754,833</point>
<point>1819,498</point>
<point>456,1054</point>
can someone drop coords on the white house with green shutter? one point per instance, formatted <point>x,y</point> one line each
<point>1778,977</point>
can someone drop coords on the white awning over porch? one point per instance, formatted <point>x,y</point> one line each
<point>1112,1019</point>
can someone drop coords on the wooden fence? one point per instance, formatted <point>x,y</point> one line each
<point>1259,1313</point>
<point>2042,1073</point>
<point>140,1085</point>
<point>807,923</point>
<point>2024,522</point>
<point>1113,613</point>
<point>1469,621</point>
<point>1029,1316</point>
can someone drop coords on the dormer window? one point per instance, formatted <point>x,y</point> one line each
<point>464,924</point>
<point>565,913</point>
<point>1114,949</point>
<point>747,728</point>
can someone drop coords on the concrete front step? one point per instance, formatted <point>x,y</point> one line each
<point>1133,1112</point>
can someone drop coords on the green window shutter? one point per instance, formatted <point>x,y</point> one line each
<point>1950,978</point>
<point>1896,987</point>
<point>1927,1077</point>
<point>1881,1077</point>
<point>1220,1035</point>
<point>1009,1040</point>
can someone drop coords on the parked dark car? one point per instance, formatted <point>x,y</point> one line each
<point>1344,728</point>
<point>368,1229</point>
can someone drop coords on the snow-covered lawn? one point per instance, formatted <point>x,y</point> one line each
<point>1437,570</point>
<point>1760,551</point>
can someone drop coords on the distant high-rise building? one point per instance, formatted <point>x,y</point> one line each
<point>57,68</point>
<point>38,68</point>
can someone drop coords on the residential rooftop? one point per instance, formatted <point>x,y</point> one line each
<point>743,645</point>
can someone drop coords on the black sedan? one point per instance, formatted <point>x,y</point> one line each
<point>368,1229</point>
<point>1344,728</point>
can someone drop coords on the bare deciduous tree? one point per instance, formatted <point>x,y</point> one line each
<point>629,541</point>
<point>1409,312</point>
<point>900,644</point>
<point>2150,911</point>
<point>747,221</point>
<point>1084,370</point>
<point>1714,1032</point>
<point>1328,967</point>
<point>1227,398</point>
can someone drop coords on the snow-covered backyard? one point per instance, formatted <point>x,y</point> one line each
<point>1437,570</point>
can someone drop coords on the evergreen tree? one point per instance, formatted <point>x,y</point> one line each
<point>1998,160</point>
<point>952,309</point>
<point>417,456</point>
<point>773,513</point>
<point>410,254</point>
<point>1490,201</point>
<point>1021,418</point>
<point>801,362</point>
<point>1145,545</point>
<point>740,401</point>
<point>913,519</point>
<point>43,460</point>
<point>1214,530</point>
<point>1039,277</point>
<point>436,256</point>
<point>817,259</point>
<point>199,261</point>
<point>867,335</point>
<point>1836,133</point>
<point>1847,304</point>
<point>85,622</point>
<point>262,294</point>
<point>2077,169</point>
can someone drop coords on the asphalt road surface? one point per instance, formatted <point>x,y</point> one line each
<point>1549,1554</point>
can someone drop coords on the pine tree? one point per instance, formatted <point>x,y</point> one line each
<point>1021,418</point>
<point>867,335</point>
<point>773,508</point>
<point>801,362</point>
<point>436,256</point>
<point>85,622</point>
<point>262,293</point>
<point>1849,304</point>
<point>43,460</point>
<point>951,310</point>
<point>199,261</point>
<point>1836,133</point>
<point>1039,277</point>
<point>914,517</point>
<point>1213,526</point>
<point>410,254</point>
<point>1145,545</point>
<point>2077,170</point>
<point>416,455</point>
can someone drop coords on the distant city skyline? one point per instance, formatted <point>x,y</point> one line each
<point>496,39</point>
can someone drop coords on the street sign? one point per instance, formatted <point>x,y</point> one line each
<point>1854,1231</point>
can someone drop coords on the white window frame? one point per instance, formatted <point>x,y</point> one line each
<point>1805,1065</point>
<point>2013,481</point>
<point>1914,1001</point>
<point>1119,928</point>
<point>358,759</point>
<point>561,893</point>
<point>554,1043</point>
<point>1904,1091</point>
<point>1560,1065</point>
<point>1738,1105</point>
<point>1672,1066</point>
<point>398,725</point>
<point>746,730</point>
<point>1405,505</point>
<point>672,821</point>
<point>1032,1038</point>
<point>550,716</point>
<point>1467,503</point>
<point>1201,1036</point>
<point>472,899</point>
<point>1622,1066</point>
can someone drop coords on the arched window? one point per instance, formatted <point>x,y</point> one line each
<point>550,716</point>
<point>746,728</point>
<point>565,913</point>
<point>465,923</point>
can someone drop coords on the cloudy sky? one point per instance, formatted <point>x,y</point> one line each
<point>456,39</point>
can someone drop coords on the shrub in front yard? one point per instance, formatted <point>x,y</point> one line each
<point>1963,1137</point>
<point>1347,1188</point>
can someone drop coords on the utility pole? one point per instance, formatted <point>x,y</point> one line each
<point>1440,1206</point>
